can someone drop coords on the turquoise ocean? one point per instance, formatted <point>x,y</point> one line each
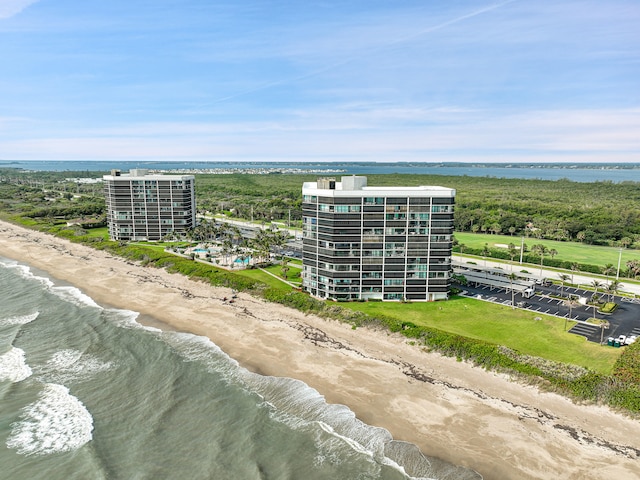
<point>87,392</point>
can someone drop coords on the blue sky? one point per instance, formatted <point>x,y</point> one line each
<point>320,80</point>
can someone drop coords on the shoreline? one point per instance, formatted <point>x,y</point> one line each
<point>450,410</point>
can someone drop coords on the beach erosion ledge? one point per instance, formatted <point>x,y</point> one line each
<point>451,410</point>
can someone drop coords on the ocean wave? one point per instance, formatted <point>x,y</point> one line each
<point>200,349</point>
<point>127,319</point>
<point>25,272</point>
<point>18,320</point>
<point>57,422</point>
<point>13,366</point>
<point>66,293</point>
<point>75,296</point>
<point>301,407</point>
<point>69,365</point>
<point>297,405</point>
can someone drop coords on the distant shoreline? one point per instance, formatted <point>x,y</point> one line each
<point>577,172</point>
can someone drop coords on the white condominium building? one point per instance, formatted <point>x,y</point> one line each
<point>384,243</point>
<point>141,206</point>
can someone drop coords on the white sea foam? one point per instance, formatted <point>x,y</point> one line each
<point>67,293</point>
<point>56,422</point>
<point>128,319</point>
<point>19,320</point>
<point>75,296</point>
<point>195,348</point>
<point>291,402</point>
<point>301,407</point>
<point>25,272</point>
<point>70,365</point>
<point>13,366</point>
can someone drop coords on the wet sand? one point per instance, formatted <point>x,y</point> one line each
<point>450,410</point>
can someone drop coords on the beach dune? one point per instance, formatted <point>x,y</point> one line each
<point>450,410</point>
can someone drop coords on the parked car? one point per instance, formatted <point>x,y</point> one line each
<point>630,339</point>
<point>622,339</point>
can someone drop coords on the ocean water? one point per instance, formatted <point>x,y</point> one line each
<point>87,392</point>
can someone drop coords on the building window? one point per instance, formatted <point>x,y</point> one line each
<point>442,208</point>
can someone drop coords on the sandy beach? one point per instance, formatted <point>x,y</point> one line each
<point>449,409</point>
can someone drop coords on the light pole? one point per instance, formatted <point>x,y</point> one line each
<point>569,303</point>
<point>513,300</point>
<point>619,259</point>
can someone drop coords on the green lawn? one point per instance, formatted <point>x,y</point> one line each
<point>263,277</point>
<point>516,329</point>
<point>569,251</point>
<point>101,232</point>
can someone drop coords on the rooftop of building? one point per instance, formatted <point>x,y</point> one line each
<point>356,186</point>
<point>143,174</point>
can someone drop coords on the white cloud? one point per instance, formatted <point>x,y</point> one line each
<point>435,135</point>
<point>9,8</point>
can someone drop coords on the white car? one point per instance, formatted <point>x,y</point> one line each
<point>621,339</point>
<point>630,339</point>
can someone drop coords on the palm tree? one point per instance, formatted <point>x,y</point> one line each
<point>612,289</point>
<point>512,251</point>
<point>262,244</point>
<point>603,325</point>
<point>634,268</point>
<point>575,267</point>
<point>280,239</point>
<point>540,249</point>
<point>284,271</point>
<point>227,248</point>
<point>563,278</point>
<point>552,253</point>
<point>485,253</point>
<point>569,302</point>
<point>608,270</point>
<point>596,284</point>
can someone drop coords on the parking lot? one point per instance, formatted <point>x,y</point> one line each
<point>625,320</point>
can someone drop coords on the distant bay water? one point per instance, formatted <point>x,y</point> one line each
<point>576,172</point>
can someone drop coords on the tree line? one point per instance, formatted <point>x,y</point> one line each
<point>597,213</point>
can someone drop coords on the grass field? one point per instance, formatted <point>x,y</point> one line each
<point>257,274</point>
<point>516,329</point>
<point>569,251</point>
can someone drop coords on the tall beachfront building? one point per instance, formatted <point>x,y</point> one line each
<point>386,243</point>
<point>141,206</point>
